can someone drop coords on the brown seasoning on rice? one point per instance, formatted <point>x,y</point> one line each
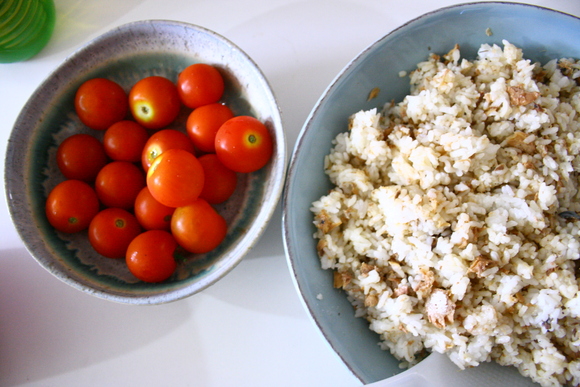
<point>443,227</point>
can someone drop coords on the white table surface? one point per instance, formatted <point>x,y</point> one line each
<point>249,329</point>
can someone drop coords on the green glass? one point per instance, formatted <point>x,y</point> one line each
<point>25,28</point>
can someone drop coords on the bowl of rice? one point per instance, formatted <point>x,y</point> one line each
<point>431,203</point>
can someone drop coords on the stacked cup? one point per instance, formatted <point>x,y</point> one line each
<point>25,28</point>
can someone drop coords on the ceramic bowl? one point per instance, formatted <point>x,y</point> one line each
<point>125,55</point>
<point>542,33</point>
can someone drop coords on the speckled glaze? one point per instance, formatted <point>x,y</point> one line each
<point>125,55</point>
<point>542,33</point>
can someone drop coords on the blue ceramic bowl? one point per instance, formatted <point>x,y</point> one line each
<point>542,33</point>
<point>125,55</point>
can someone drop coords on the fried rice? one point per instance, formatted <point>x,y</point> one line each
<point>453,222</point>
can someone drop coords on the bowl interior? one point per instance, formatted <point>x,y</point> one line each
<point>543,34</point>
<point>126,55</point>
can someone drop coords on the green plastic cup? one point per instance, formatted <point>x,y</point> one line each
<point>25,28</point>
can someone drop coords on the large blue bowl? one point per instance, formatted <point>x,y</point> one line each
<point>543,34</point>
<point>126,54</point>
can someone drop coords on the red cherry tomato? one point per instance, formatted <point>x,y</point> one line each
<point>243,144</point>
<point>111,231</point>
<point>150,256</point>
<point>163,140</point>
<point>154,102</point>
<point>119,183</point>
<point>124,141</point>
<point>198,227</point>
<point>71,206</point>
<point>151,214</point>
<point>203,124</point>
<point>100,102</point>
<point>219,182</point>
<point>81,157</point>
<point>200,84</point>
<point>175,178</point>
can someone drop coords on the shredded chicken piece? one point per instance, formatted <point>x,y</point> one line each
<point>480,265</point>
<point>400,290</point>
<point>440,309</point>
<point>449,56</point>
<point>365,268</point>
<point>321,246</point>
<point>324,222</point>
<point>425,285</point>
<point>517,140</point>
<point>341,279</point>
<point>521,299</point>
<point>568,68</point>
<point>371,300</point>
<point>520,97</point>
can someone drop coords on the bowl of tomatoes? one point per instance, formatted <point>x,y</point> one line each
<point>148,164</point>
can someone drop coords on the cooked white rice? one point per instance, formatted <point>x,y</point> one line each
<point>444,227</point>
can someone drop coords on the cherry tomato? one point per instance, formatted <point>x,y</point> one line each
<point>100,102</point>
<point>219,182</point>
<point>200,84</point>
<point>198,227</point>
<point>150,256</point>
<point>71,206</point>
<point>119,183</point>
<point>154,102</point>
<point>111,231</point>
<point>81,157</point>
<point>163,140</point>
<point>124,141</point>
<point>243,144</point>
<point>175,178</point>
<point>151,214</point>
<point>203,124</point>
